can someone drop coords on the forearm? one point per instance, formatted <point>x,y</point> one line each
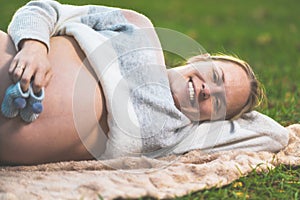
<point>39,20</point>
<point>36,20</point>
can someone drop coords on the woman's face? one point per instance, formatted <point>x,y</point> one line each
<point>209,90</point>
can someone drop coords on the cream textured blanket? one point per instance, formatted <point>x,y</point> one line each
<point>160,178</point>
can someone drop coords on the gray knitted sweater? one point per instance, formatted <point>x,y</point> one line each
<point>127,59</point>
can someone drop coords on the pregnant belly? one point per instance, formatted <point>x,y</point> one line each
<point>68,128</point>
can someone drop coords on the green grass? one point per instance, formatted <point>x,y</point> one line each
<point>281,183</point>
<point>264,33</point>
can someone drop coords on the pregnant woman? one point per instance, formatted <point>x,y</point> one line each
<point>108,94</point>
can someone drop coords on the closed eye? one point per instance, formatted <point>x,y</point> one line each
<point>215,76</point>
<point>217,104</point>
<point>218,76</point>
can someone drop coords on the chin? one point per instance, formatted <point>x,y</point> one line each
<point>192,116</point>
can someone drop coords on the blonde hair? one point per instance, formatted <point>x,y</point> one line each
<point>257,91</point>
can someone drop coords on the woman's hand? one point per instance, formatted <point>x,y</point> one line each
<point>31,64</point>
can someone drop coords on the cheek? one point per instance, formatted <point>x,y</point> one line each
<point>177,88</point>
<point>177,83</point>
<point>205,110</point>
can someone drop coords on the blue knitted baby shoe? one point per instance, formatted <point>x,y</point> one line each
<point>34,106</point>
<point>14,100</point>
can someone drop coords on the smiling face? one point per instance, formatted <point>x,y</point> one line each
<point>209,90</point>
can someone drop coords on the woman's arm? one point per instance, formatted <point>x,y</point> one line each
<point>41,19</point>
<point>34,24</point>
<point>30,30</point>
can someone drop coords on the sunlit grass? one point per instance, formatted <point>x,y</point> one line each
<point>282,182</point>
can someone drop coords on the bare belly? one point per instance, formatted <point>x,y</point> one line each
<point>68,128</point>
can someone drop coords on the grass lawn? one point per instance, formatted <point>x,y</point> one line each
<point>264,33</point>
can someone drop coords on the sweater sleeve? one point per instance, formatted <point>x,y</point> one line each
<point>271,135</point>
<point>42,19</point>
<point>253,132</point>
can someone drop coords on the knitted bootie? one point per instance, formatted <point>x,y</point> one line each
<point>14,100</point>
<point>34,106</point>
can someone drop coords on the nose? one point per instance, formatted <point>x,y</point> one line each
<point>206,91</point>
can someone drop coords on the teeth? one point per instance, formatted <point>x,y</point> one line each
<point>191,90</point>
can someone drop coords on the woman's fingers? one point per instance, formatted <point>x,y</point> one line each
<point>48,77</point>
<point>12,66</point>
<point>26,78</point>
<point>41,79</point>
<point>31,65</point>
<point>38,81</point>
<point>18,72</point>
